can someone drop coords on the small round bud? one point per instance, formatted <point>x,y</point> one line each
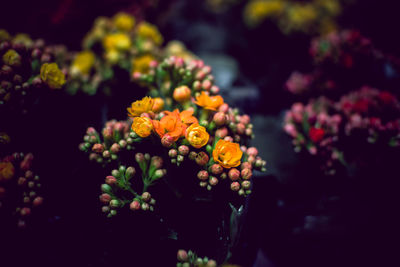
<point>135,205</point>
<point>183,150</point>
<point>202,175</point>
<point>235,186</point>
<point>234,174</point>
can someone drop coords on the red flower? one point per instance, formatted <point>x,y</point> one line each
<point>316,134</point>
<point>386,97</point>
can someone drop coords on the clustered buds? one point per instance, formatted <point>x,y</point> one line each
<point>190,259</point>
<point>19,183</point>
<point>116,138</point>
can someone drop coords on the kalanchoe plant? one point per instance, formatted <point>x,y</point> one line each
<point>27,69</point>
<point>315,129</point>
<point>190,259</point>
<point>184,137</point>
<point>313,16</point>
<point>19,187</point>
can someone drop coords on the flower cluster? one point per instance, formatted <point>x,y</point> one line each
<point>314,16</point>
<point>186,122</point>
<point>326,128</point>
<point>373,112</point>
<point>190,259</point>
<point>116,138</point>
<point>27,68</point>
<point>315,128</point>
<point>341,48</point>
<point>19,186</point>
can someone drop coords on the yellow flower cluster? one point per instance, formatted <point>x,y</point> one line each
<point>52,75</point>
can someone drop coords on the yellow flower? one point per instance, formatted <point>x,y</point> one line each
<point>197,135</point>
<point>142,126</point>
<point>12,58</point>
<point>124,21</point>
<point>209,102</point>
<point>4,35</point>
<point>256,11</point>
<point>52,75</point>
<point>118,41</point>
<point>141,106</point>
<point>227,154</point>
<point>158,104</point>
<point>149,31</point>
<point>6,171</point>
<point>82,63</point>
<point>142,63</point>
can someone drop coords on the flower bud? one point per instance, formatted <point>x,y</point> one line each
<point>252,151</point>
<point>172,153</point>
<point>115,203</point>
<point>157,162</point>
<point>202,175</point>
<point>213,181</point>
<point>182,255</point>
<point>192,155</point>
<point>235,186</point>
<point>167,140</point>
<point>219,118</point>
<point>182,94</point>
<point>25,211</point>
<point>106,188</point>
<point>202,158</point>
<point>216,169</point>
<point>135,205</point>
<point>37,201</point>
<point>105,198</point>
<point>183,150</point>
<point>221,133</point>
<point>246,173</point>
<point>234,174</point>
<point>115,148</point>
<point>98,148</point>
<point>146,196</point>
<point>139,157</point>
<point>159,173</point>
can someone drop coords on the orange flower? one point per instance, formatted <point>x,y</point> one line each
<point>170,124</point>
<point>197,135</point>
<point>187,117</point>
<point>209,102</point>
<point>227,154</point>
<point>6,171</point>
<point>141,106</point>
<point>142,126</point>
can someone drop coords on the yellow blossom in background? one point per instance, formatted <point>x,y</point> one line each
<point>197,135</point>
<point>142,63</point>
<point>301,15</point>
<point>146,30</point>
<point>6,171</point>
<point>24,39</point>
<point>12,58</point>
<point>117,41</point>
<point>82,63</point>
<point>52,75</point>
<point>178,49</point>
<point>158,104</point>
<point>227,154</point>
<point>141,106</point>
<point>142,126</point>
<point>209,102</point>
<point>332,7</point>
<point>4,35</point>
<point>256,11</point>
<point>124,21</point>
